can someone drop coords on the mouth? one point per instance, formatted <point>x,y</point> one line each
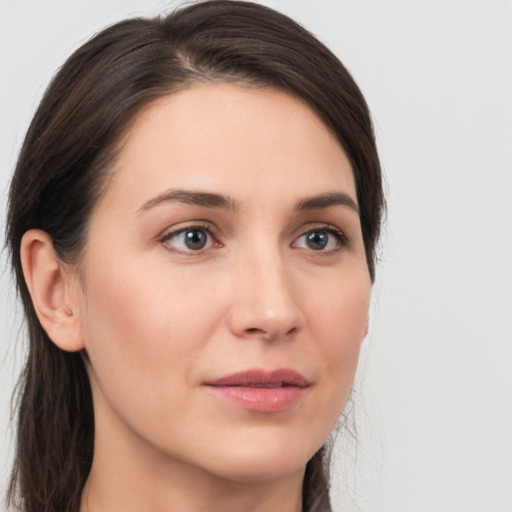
<point>259,390</point>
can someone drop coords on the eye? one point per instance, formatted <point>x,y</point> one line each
<point>321,239</point>
<point>189,239</point>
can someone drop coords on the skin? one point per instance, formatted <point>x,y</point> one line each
<point>158,319</point>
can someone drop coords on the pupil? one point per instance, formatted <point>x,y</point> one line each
<point>195,239</point>
<point>317,240</point>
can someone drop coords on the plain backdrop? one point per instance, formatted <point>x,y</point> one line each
<point>434,394</point>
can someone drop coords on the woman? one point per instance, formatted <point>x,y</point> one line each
<point>192,224</point>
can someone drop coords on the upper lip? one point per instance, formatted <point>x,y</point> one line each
<point>262,379</point>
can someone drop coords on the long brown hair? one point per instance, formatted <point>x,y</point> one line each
<point>64,165</point>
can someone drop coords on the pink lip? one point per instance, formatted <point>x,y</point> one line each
<point>259,390</point>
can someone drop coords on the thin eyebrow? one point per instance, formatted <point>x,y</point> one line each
<point>325,201</point>
<point>205,199</point>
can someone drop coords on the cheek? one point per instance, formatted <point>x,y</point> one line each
<point>144,336</point>
<point>141,326</point>
<point>339,319</point>
<point>338,311</point>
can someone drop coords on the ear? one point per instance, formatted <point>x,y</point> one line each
<point>53,291</point>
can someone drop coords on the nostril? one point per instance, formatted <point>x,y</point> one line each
<point>268,335</point>
<point>254,330</point>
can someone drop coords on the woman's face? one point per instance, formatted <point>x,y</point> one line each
<point>224,290</point>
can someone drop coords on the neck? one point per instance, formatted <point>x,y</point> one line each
<point>132,487</point>
<point>113,495</point>
<point>129,475</point>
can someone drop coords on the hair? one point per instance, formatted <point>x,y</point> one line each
<point>64,165</point>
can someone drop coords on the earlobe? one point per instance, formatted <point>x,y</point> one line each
<point>51,290</point>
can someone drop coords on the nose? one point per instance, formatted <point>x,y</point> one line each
<point>265,301</point>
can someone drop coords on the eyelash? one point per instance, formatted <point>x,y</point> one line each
<point>341,239</point>
<point>193,227</point>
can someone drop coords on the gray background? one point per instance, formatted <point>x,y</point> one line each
<point>434,392</point>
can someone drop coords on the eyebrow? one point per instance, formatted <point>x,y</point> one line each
<point>325,201</point>
<point>223,202</point>
<point>205,199</point>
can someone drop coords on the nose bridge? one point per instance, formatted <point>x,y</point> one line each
<point>265,303</point>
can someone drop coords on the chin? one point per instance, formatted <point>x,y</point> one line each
<point>262,465</point>
<point>266,472</point>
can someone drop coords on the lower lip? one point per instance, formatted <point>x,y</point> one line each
<point>260,399</point>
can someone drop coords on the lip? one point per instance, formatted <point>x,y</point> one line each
<point>260,390</point>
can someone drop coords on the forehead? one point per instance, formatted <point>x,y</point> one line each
<point>238,140</point>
